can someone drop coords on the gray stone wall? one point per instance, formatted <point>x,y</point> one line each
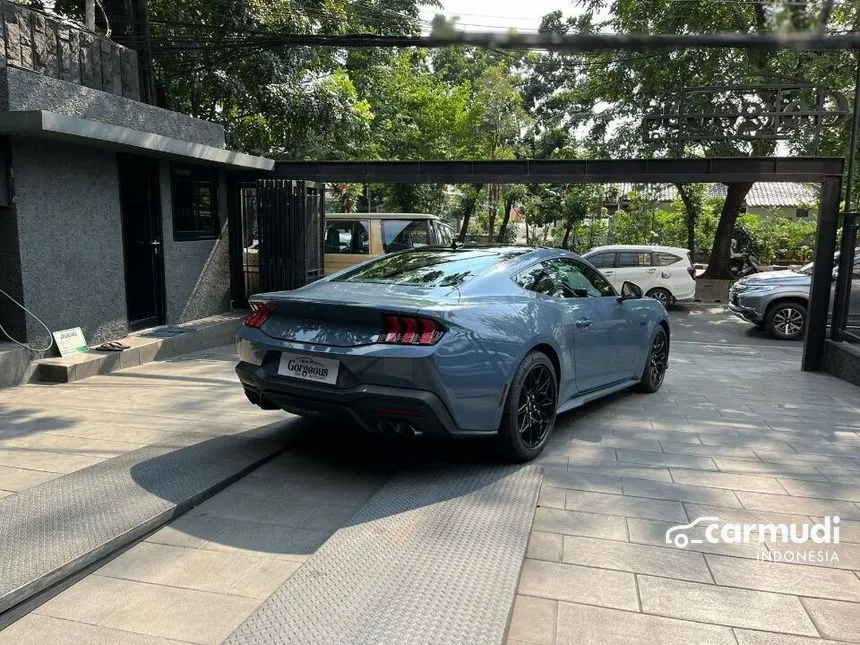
<point>70,236</point>
<point>842,360</point>
<point>196,273</point>
<point>34,41</point>
<point>21,90</point>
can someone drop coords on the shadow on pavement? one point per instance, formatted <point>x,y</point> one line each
<point>319,476</point>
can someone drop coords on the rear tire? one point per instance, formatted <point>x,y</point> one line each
<point>529,415</point>
<point>786,320</point>
<point>661,295</point>
<point>654,371</point>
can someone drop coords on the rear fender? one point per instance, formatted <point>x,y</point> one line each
<point>483,349</point>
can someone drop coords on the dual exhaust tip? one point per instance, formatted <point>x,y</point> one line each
<point>398,429</point>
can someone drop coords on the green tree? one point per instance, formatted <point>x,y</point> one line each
<point>618,86</point>
<point>290,102</point>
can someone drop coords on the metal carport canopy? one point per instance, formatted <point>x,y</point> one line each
<point>824,170</point>
<point>525,171</point>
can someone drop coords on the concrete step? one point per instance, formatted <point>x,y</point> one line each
<point>157,344</point>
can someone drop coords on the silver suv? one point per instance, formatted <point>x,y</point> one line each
<point>777,300</point>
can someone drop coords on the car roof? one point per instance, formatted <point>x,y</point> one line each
<point>381,216</point>
<point>638,247</point>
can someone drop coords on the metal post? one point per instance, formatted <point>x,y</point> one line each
<point>822,274</point>
<point>852,149</point>
<point>849,229</point>
<point>842,294</point>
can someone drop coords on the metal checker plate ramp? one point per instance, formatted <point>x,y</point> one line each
<point>433,558</point>
<point>55,529</point>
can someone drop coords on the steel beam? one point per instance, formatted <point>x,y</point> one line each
<point>531,171</point>
<point>822,274</point>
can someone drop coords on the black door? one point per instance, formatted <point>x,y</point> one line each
<point>141,227</point>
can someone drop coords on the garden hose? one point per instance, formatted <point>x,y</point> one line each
<point>37,319</point>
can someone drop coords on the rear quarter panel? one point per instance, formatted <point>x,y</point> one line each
<point>486,342</point>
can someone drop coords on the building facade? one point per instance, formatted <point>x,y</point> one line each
<point>113,212</point>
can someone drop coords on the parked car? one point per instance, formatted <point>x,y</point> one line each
<point>453,342</point>
<point>777,300</point>
<point>664,273</point>
<point>351,238</point>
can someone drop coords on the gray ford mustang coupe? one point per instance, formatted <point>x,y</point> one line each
<point>453,342</point>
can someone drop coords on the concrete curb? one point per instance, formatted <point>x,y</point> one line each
<point>203,334</point>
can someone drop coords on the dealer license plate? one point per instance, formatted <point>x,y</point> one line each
<point>307,368</point>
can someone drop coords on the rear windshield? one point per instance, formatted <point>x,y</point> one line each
<point>430,268</point>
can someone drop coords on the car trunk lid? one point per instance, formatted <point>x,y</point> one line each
<point>345,315</point>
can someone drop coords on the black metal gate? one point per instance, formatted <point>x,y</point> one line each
<point>281,230</point>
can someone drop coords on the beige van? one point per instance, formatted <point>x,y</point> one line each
<point>351,238</point>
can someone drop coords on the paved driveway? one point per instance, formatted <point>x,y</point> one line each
<point>716,325</point>
<point>737,432</point>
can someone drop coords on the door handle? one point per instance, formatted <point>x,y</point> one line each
<point>652,270</point>
<point>583,323</point>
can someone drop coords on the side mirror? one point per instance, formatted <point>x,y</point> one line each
<point>630,291</point>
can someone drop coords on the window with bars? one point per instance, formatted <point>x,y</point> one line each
<point>195,203</point>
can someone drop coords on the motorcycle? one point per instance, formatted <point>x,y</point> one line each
<point>743,264</point>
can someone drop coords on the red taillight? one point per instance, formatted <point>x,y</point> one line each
<point>692,272</point>
<point>260,312</point>
<point>408,330</point>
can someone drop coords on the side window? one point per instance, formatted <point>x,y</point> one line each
<point>629,259</point>
<point>666,259</point>
<point>564,278</point>
<point>598,282</point>
<point>194,192</point>
<point>444,234</point>
<point>361,238</point>
<point>603,260</point>
<point>579,280</point>
<point>537,279</point>
<point>347,237</point>
<point>399,235</point>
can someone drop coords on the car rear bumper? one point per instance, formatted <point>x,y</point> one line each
<point>373,407</point>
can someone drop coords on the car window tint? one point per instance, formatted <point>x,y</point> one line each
<point>538,279</point>
<point>602,260</point>
<point>579,280</point>
<point>445,233</point>
<point>347,237</point>
<point>665,259</point>
<point>563,278</point>
<point>598,282</point>
<point>428,268</point>
<point>634,259</point>
<point>402,234</point>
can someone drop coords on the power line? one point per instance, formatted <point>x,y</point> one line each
<point>804,41</point>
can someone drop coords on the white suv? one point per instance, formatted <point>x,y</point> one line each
<point>664,273</point>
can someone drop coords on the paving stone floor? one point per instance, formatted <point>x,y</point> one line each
<point>737,433</point>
